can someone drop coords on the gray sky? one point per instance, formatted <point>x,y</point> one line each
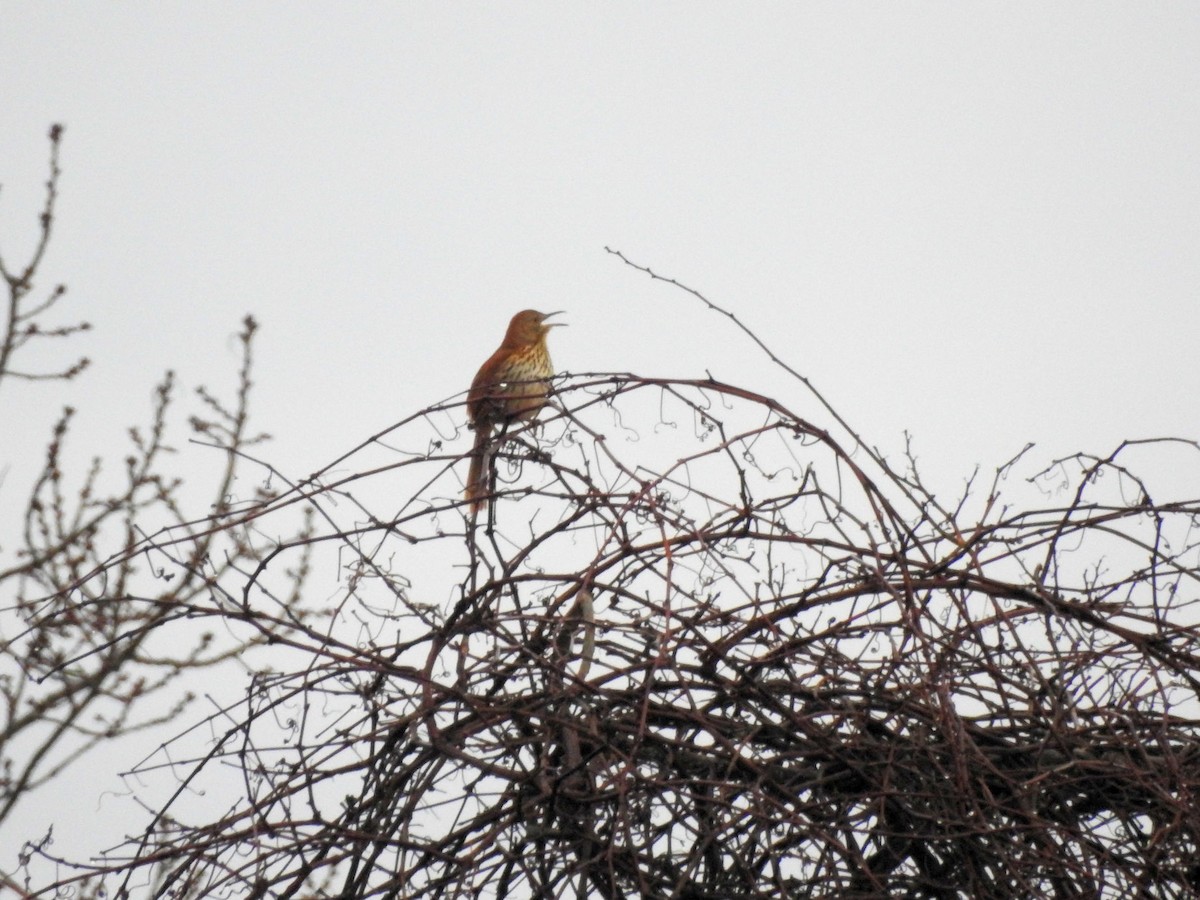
<point>975,222</point>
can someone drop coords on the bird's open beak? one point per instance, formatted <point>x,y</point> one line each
<point>558,312</point>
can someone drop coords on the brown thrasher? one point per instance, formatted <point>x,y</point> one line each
<point>510,387</point>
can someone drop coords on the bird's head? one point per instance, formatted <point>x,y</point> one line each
<point>528,327</point>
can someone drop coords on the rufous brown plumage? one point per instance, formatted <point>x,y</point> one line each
<point>511,387</point>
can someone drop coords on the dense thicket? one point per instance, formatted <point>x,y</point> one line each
<point>697,646</point>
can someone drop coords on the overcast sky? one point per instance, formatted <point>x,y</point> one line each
<point>976,222</point>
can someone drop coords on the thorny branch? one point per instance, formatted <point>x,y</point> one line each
<point>787,678</point>
<point>696,649</point>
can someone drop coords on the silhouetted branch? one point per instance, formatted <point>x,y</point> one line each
<point>696,647</point>
<point>101,632</point>
<point>788,678</point>
<point>21,321</point>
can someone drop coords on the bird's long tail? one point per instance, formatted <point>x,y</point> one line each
<point>477,477</point>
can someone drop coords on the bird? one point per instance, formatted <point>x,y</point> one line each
<point>511,387</point>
